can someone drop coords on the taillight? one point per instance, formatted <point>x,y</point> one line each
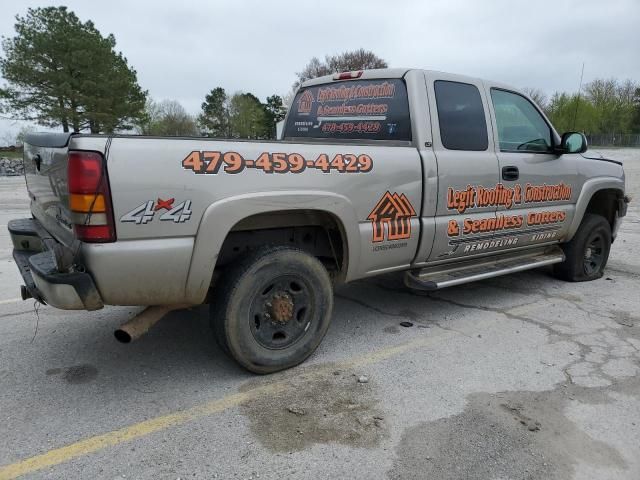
<point>348,75</point>
<point>90,198</point>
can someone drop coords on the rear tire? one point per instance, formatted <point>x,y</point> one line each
<point>271,310</point>
<point>587,252</point>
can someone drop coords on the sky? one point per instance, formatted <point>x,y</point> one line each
<point>182,50</point>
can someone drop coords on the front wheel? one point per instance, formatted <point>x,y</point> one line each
<point>587,252</point>
<point>272,309</point>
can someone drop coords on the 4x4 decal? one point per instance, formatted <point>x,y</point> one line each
<point>393,211</point>
<point>145,212</point>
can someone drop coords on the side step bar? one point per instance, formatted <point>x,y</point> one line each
<point>434,278</point>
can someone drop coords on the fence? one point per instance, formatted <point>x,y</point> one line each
<point>614,139</point>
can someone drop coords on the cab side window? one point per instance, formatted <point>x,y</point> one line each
<point>520,125</point>
<point>461,116</point>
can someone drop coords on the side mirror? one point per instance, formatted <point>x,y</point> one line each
<point>573,142</point>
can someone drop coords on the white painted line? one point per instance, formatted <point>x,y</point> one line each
<point>10,300</point>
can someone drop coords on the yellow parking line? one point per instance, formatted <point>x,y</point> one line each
<point>137,430</point>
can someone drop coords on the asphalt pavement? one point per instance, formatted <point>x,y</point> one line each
<point>518,377</point>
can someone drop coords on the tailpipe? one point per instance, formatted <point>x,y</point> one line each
<point>141,323</point>
<point>25,293</point>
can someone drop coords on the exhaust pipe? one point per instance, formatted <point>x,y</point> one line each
<point>141,323</point>
<point>25,293</point>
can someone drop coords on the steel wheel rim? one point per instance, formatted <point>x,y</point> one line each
<point>593,254</point>
<point>280,312</point>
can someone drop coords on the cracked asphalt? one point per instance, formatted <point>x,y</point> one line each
<point>518,377</point>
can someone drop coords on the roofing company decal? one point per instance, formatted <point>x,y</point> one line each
<point>505,196</point>
<point>393,211</point>
<point>305,102</point>
<point>502,229</point>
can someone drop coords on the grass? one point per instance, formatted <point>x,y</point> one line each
<point>11,154</point>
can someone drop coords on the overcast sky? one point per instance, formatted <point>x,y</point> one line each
<point>181,50</point>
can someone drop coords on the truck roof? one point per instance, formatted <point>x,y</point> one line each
<point>399,73</point>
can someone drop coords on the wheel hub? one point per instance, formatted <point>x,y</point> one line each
<point>593,255</point>
<point>281,311</point>
<point>281,308</point>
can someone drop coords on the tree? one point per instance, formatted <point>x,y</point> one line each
<point>22,134</point>
<point>607,106</point>
<point>167,118</point>
<point>247,117</point>
<point>241,116</point>
<point>537,96</point>
<point>214,119</point>
<point>63,72</point>
<point>274,112</point>
<point>614,103</point>
<point>360,59</point>
<point>635,118</point>
<point>569,112</point>
<point>314,69</point>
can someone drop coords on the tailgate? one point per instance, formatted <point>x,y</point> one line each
<point>45,166</point>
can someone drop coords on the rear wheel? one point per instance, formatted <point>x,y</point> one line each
<point>587,252</point>
<point>272,309</point>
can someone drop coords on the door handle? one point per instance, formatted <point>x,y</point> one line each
<point>510,173</point>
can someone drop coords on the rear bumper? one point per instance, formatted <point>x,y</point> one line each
<point>36,254</point>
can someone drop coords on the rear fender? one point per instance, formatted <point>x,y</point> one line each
<point>220,217</point>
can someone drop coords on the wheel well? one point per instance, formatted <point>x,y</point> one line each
<point>605,203</point>
<point>317,232</point>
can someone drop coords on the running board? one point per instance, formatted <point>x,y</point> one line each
<point>441,276</point>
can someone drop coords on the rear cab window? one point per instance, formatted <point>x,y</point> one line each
<point>461,116</point>
<point>351,110</point>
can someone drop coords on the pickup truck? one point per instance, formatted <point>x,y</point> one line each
<point>445,177</point>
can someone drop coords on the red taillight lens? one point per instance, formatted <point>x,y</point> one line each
<point>348,75</point>
<point>90,197</point>
<point>94,233</point>
<point>84,172</point>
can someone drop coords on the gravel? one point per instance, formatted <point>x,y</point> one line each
<point>11,167</point>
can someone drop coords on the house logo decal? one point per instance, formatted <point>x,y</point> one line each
<point>392,214</point>
<point>305,102</point>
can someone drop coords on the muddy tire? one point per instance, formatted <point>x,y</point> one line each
<point>271,310</point>
<point>587,252</point>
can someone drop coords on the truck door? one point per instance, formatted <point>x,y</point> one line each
<point>543,185</point>
<point>465,221</point>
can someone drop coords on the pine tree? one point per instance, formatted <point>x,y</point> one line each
<point>63,72</point>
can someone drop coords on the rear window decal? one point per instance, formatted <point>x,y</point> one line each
<point>355,109</point>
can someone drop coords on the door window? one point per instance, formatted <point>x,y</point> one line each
<point>461,116</point>
<point>520,125</point>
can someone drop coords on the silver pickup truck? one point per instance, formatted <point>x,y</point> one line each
<point>448,178</point>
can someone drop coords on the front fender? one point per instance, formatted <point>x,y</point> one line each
<point>220,217</point>
<point>589,188</point>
